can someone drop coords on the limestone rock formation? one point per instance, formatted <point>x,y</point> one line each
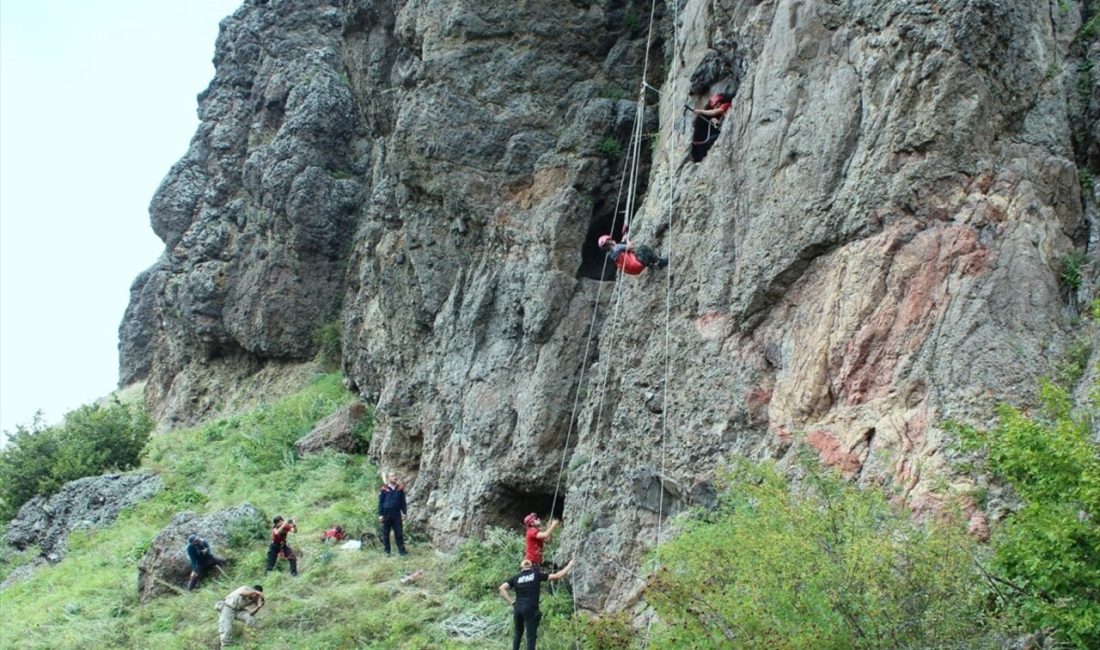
<point>338,431</point>
<point>84,504</point>
<point>165,564</point>
<point>873,245</point>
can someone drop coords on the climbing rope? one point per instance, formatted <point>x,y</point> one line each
<point>587,346</point>
<point>668,341</point>
<point>631,170</point>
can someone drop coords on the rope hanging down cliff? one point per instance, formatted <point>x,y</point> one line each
<point>631,170</point>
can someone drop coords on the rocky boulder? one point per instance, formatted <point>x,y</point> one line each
<point>83,504</point>
<point>165,566</point>
<point>338,431</point>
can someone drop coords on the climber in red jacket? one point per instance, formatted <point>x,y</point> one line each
<point>708,124</point>
<point>631,259</point>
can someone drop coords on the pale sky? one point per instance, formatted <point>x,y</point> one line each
<point>97,101</point>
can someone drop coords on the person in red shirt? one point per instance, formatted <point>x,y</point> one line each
<point>336,534</point>
<point>708,124</point>
<point>631,259</point>
<point>278,546</point>
<point>535,538</point>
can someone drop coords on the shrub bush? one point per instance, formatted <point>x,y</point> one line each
<point>1073,264</point>
<point>91,440</point>
<point>1047,553</point>
<point>483,565</point>
<point>329,347</point>
<point>610,147</point>
<point>826,566</point>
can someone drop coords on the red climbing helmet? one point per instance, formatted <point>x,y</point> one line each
<point>530,519</point>
<point>603,240</point>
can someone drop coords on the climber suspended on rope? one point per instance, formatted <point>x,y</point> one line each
<point>708,124</point>
<point>631,259</point>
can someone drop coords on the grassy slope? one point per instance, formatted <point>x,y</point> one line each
<point>342,599</point>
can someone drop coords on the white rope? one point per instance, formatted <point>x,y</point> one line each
<point>587,345</point>
<point>607,363</point>
<point>633,169</point>
<point>668,341</point>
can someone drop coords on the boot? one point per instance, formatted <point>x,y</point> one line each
<point>293,567</point>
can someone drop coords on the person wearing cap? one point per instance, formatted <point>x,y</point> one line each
<point>525,605</point>
<point>240,605</point>
<point>391,513</point>
<point>202,559</point>
<point>279,531</point>
<point>535,538</point>
<point>630,259</point>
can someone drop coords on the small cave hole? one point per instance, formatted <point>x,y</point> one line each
<point>594,263</point>
<point>508,505</point>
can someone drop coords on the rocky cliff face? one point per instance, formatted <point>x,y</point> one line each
<point>872,246</point>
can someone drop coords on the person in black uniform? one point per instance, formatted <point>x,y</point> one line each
<point>391,513</point>
<point>525,605</point>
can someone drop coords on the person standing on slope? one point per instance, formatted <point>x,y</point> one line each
<point>279,531</point>
<point>391,513</point>
<point>525,606</point>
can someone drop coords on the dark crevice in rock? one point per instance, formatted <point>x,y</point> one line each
<point>594,264</point>
<point>508,504</point>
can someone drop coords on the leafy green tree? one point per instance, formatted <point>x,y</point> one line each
<point>91,440</point>
<point>99,438</point>
<point>823,565</point>
<point>24,474</point>
<point>1047,553</point>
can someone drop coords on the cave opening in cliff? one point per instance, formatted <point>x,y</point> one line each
<point>610,209</point>
<point>509,504</point>
<point>603,222</point>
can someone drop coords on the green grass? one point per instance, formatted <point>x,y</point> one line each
<point>341,599</point>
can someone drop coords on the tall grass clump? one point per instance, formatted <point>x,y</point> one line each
<point>329,345</point>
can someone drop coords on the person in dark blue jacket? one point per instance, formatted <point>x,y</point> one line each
<point>391,512</point>
<point>202,559</point>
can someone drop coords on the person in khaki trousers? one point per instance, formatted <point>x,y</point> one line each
<point>240,605</point>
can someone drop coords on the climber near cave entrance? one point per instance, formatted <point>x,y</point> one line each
<point>535,538</point>
<point>708,124</point>
<point>631,259</point>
